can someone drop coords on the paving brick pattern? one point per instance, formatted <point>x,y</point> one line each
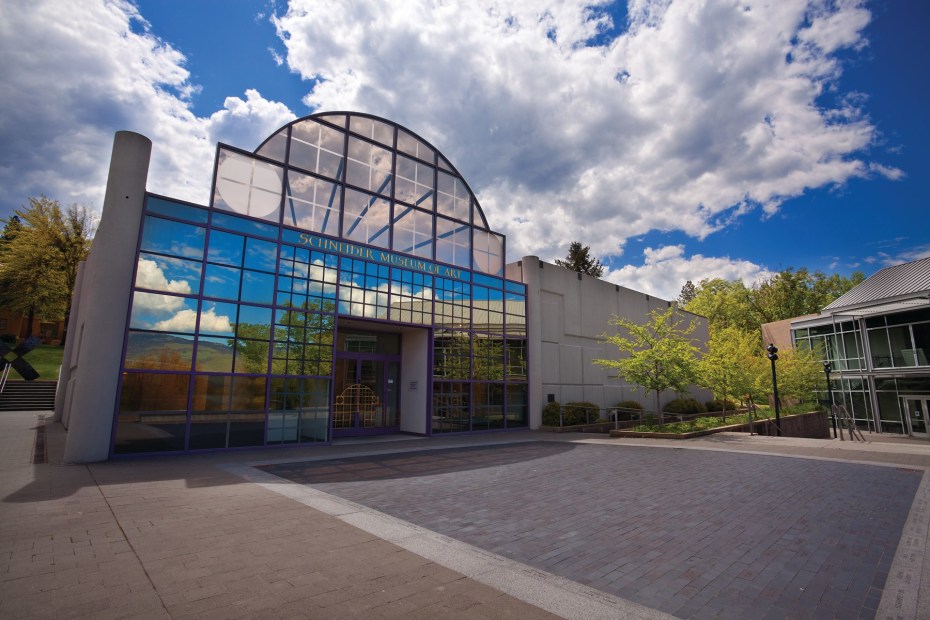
<point>697,534</point>
<point>180,538</point>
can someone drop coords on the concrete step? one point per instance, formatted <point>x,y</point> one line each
<point>28,395</point>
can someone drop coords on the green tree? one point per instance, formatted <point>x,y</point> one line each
<point>732,365</point>
<point>656,355</point>
<point>579,259</point>
<point>799,374</point>
<point>42,247</point>
<point>784,295</point>
<point>725,303</point>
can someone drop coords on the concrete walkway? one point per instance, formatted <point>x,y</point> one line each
<point>215,536</point>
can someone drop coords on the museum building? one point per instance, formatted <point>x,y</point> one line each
<point>343,281</point>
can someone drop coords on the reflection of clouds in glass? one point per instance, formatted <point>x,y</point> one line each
<point>153,303</point>
<point>185,320</point>
<point>409,290</point>
<point>150,275</point>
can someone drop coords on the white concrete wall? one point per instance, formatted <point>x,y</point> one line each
<point>567,317</point>
<point>96,334</point>
<point>414,369</point>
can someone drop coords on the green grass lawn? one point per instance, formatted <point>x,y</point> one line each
<point>45,359</point>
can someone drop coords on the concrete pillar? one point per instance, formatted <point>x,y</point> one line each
<point>104,304</point>
<point>531,278</point>
<point>61,393</point>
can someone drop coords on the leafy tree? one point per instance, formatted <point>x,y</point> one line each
<point>784,295</point>
<point>39,256</point>
<point>732,365</point>
<point>725,303</point>
<point>799,374</point>
<point>580,260</point>
<point>656,355</point>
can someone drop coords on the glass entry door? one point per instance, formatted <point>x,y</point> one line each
<point>918,418</point>
<point>366,396</point>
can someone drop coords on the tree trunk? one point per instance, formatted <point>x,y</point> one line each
<point>30,317</point>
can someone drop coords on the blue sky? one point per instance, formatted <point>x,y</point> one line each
<point>680,139</point>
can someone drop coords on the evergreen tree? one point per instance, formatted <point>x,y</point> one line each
<point>580,260</point>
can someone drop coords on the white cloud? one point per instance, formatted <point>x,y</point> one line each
<point>76,72</point>
<point>185,321</point>
<point>666,269</point>
<point>150,275</point>
<point>155,304</point>
<point>701,111</point>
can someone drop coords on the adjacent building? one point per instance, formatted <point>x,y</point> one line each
<point>877,340</point>
<point>343,281</point>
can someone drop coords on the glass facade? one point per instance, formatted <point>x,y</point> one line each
<point>235,335</point>
<point>880,366</point>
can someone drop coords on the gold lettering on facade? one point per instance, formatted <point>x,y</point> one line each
<point>350,249</point>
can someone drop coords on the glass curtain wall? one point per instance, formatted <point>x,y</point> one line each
<point>233,321</point>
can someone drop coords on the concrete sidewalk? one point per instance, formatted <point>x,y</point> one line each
<point>211,536</point>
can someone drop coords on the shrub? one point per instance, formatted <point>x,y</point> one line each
<point>684,406</point>
<point>550,414</point>
<point>580,412</point>
<point>630,404</point>
<point>717,405</point>
<point>572,414</point>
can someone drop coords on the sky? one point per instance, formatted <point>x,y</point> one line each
<point>679,139</point>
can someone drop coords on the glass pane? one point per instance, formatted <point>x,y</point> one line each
<point>453,244</point>
<point>451,403</point>
<point>153,351</point>
<point>211,393</point>
<point>148,432</point>
<point>413,231</point>
<point>453,198</point>
<point>163,312</point>
<point>174,238</point>
<point>902,348</point>
<point>878,343</point>
<point>145,391</point>
<point>275,147</point>
<point>313,204</point>
<point>251,355</point>
<point>488,406</point>
<point>154,204</point>
<point>489,253</point>
<point>261,255</point>
<point>248,186</point>
<point>225,248</point>
<point>214,354</point>
<point>257,287</point>
<point>366,219</point>
<point>172,275</point>
<point>222,282</point>
<point>217,318</point>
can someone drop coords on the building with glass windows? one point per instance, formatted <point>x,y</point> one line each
<point>342,281</point>
<point>877,340</point>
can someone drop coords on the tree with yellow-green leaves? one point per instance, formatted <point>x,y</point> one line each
<point>732,365</point>
<point>40,251</point>
<point>656,355</point>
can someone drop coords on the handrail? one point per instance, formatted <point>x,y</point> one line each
<point>5,374</point>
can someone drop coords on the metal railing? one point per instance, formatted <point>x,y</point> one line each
<point>4,375</point>
<point>628,417</point>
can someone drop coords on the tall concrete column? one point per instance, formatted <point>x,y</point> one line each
<point>531,278</point>
<point>61,393</point>
<point>104,304</point>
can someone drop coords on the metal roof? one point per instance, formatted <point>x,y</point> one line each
<point>891,283</point>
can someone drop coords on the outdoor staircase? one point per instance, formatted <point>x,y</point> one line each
<point>28,396</point>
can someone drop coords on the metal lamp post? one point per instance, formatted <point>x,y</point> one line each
<point>773,355</point>
<point>827,369</point>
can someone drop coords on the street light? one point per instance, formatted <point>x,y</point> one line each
<point>773,355</point>
<point>827,369</point>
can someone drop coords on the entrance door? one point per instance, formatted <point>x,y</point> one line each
<point>918,418</point>
<point>366,395</point>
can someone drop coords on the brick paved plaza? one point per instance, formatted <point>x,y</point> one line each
<point>505,525</point>
<point>693,534</point>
